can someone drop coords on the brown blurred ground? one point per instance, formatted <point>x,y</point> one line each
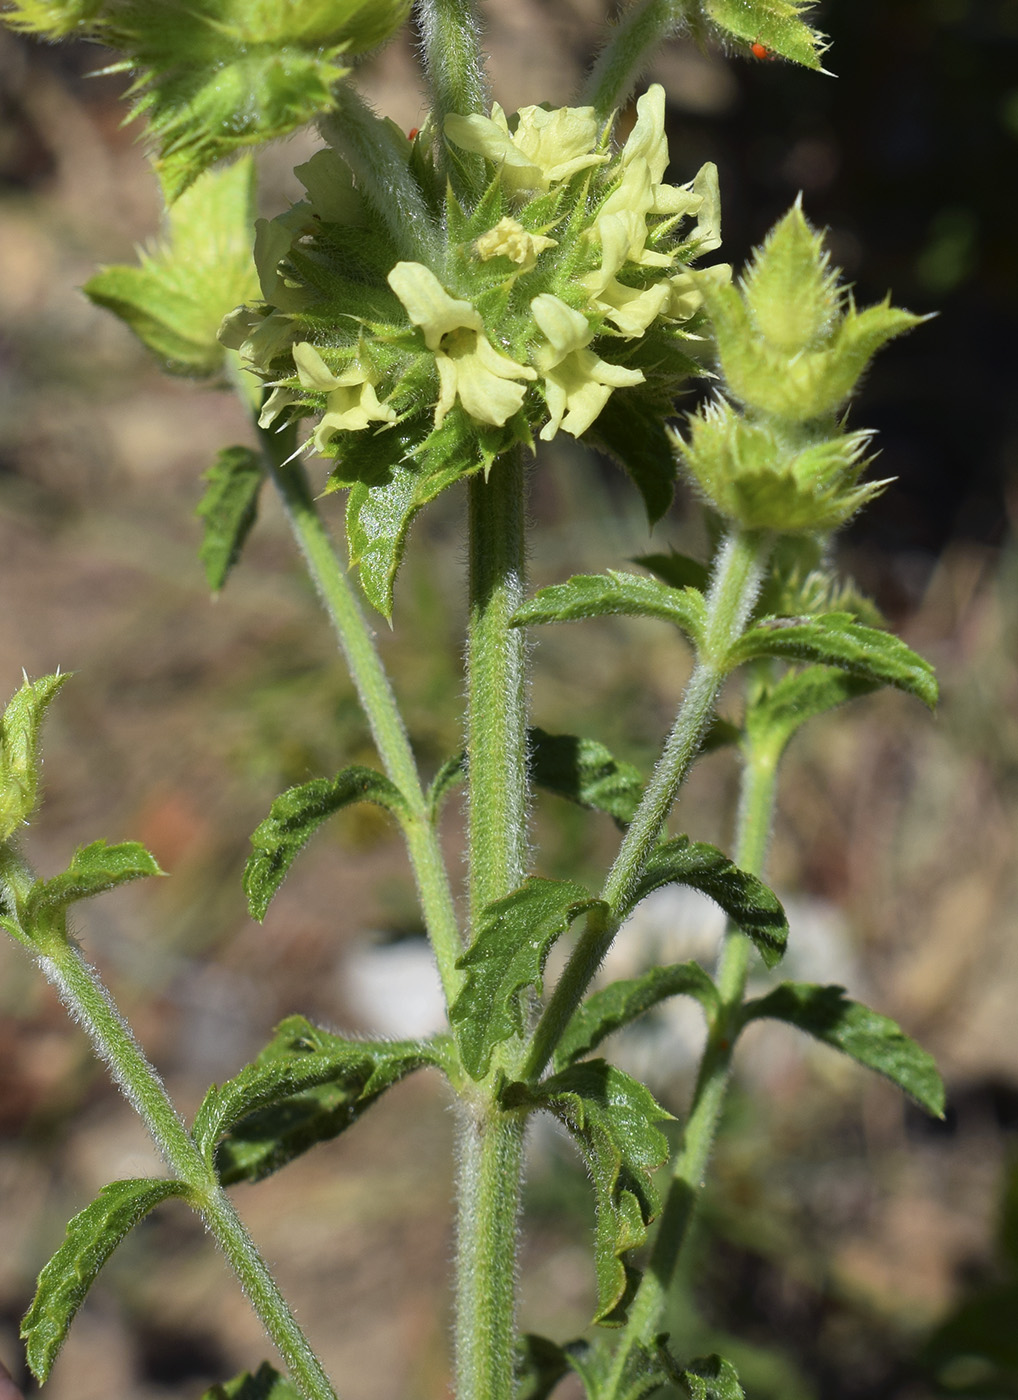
<point>184,719</point>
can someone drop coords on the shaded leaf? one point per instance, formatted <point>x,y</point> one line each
<point>265,1384</point>
<point>613,1119</point>
<point>295,816</point>
<point>773,717</point>
<point>307,1086</point>
<point>450,775</point>
<point>866,1036</point>
<point>615,593</point>
<point>91,1238</point>
<point>633,431</point>
<point>747,901</point>
<point>711,1378</point>
<point>611,1008</point>
<point>584,771</point>
<point>228,510</point>
<point>538,1366</point>
<point>507,956</point>
<point>836,639</point>
<point>677,570</point>
<point>643,1371</point>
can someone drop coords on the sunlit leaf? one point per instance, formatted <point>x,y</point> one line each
<point>615,594</point>
<point>615,1006</point>
<point>228,510</point>
<point>20,724</point>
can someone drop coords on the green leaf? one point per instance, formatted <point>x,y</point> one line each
<point>20,724</point>
<point>307,1086</point>
<point>677,570</point>
<point>836,639</point>
<point>175,299</point>
<point>507,956</point>
<point>866,1036</point>
<point>711,1378</point>
<point>450,775</point>
<point>633,431</point>
<point>613,1119</point>
<point>746,900</point>
<point>773,717</point>
<point>611,1008</point>
<point>296,815</point>
<point>615,593</point>
<point>91,1238</point>
<point>538,1366</point>
<point>93,870</point>
<point>775,23</point>
<point>584,771</point>
<point>643,1371</point>
<point>228,510</point>
<point>265,1384</point>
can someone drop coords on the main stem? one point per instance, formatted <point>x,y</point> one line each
<point>491,1139</point>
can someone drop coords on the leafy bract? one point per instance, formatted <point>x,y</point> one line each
<point>294,817</point>
<point>615,1006</point>
<point>836,639</point>
<point>774,716</point>
<point>265,1384</point>
<point>305,1087</point>
<point>93,870</point>
<point>507,956</point>
<point>746,900</point>
<point>176,297</point>
<point>775,23</point>
<point>615,593</point>
<point>585,772</point>
<point>228,510</point>
<point>91,1238</point>
<point>20,724</point>
<point>614,1121</point>
<point>866,1036</point>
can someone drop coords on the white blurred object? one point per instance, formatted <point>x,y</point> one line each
<point>393,989</point>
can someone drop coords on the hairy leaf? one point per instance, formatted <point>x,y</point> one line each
<point>603,595</point>
<point>228,510</point>
<point>507,956</point>
<point>746,900</point>
<point>584,771</point>
<point>773,717</point>
<point>613,1007</point>
<point>91,1238</point>
<point>868,1037</point>
<point>265,1384</point>
<point>451,773</point>
<point>775,23</point>
<point>175,299</point>
<point>20,724</point>
<point>296,815</point>
<point>711,1378</point>
<point>305,1087</point>
<point>93,870</point>
<point>613,1119</point>
<point>643,1370</point>
<point>836,639</point>
<point>677,570</point>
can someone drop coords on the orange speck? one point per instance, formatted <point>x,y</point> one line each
<point>761,51</point>
<point>414,130</point>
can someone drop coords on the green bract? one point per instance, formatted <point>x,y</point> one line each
<point>19,751</point>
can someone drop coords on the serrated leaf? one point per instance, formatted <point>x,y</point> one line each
<point>774,23</point>
<point>643,1371</point>
<point>865,1035</point>
<point>611,1008</point>
<point>538,1366</point>
<point>307,1086</point>
<point>773,717</point>
<point>507,956</point>
<point>677,570</point>
<point>585,772</point>
<point>20,725</point>
<point>91,1238</point>
<point>711,1378</point>
<point>836,639</point>
<point>747,901</point>
<point>296,815</point>
<point>612,594</point>
<point>613,1119</point>
<point>175,299</point>
<point>93,870</point>
<point>228,510</point>
<point>265,1384</point>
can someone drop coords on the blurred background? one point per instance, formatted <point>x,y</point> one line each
<point>847,1248</point>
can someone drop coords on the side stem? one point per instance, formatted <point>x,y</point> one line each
<point>631,45</point>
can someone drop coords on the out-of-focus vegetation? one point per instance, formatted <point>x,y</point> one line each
<point>848,1249</point>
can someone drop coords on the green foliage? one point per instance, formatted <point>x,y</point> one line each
<point>228,510</point>
<point>307,1086</point>
<point>19,751</point>
<point>583,771</point>
<point>176,298</point>
<point>613,1120</point>
<point>747,901</point>
<point>93,870</point>
<point>265,1384</point>
<point>91,1238</point>
<point>866,1036</point>
<point>296,815</point>
<point>538,1366</point>
<point>836,639</point>
<point>775,23</point>
<point>711,1378</point>
<point>643,1370</point>
<point>615,593</point>
<point>615,1006</point>
<point>776,714</point>
<point>507,956</point>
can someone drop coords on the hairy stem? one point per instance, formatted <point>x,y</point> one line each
<point>451,32</point>
<point>631,44</point>
<point>379,706</point>
<point>89,1002</point>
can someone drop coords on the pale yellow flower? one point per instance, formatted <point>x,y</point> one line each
<point>352,403</point>
<point>469,367</point>
<point>545,149</point>
<point>509,239</point>
<point>577,383</point>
